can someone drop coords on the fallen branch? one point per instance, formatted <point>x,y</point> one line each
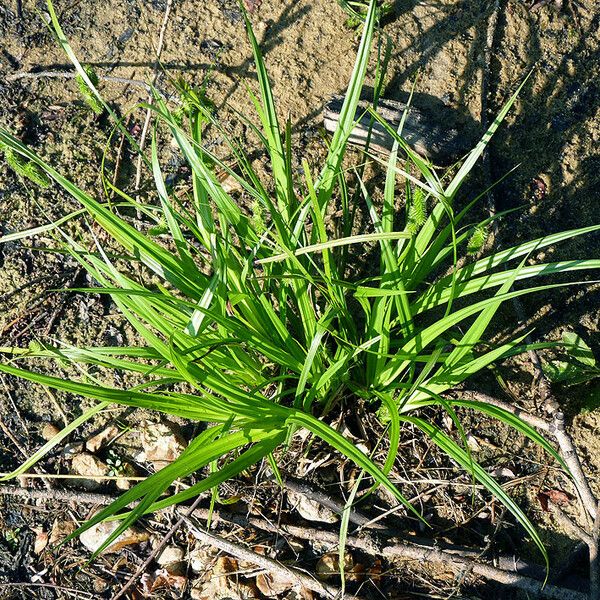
<point>508,571</point>
<point>526,584</point>
<point>595,558</point>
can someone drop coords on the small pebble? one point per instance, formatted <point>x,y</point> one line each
<point>49,430</point>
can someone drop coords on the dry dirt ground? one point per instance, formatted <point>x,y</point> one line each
<point>553,134</point>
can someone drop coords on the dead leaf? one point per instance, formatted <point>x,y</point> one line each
<point>94,537</point>
<point>162,443</point>
<point>86,464</point>
<point>557,497</point>
<point>329,565</point>
<point>171,555</point>
<point>375,571</point>
<point>229,183</point>
<point>472,443</point>
<point>101,439</point>
<point>311,510</point>
<point>162,578</point>
<point>60,530</point>
<point>41,540</point>
<point>504,472</point>
<point>271,586</point>
<point>252,5</point>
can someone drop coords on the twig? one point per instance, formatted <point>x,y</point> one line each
<point>453,557</point>
<point>73,75</point>
<point>78,476</point>
<point>157,550</point>
<point>305,489</point>
<point>487,57</point>
<point>161,40</point>
<point>594,558</point>
<point>569,454</point>
<point>570,525</point>
<point>505,573</point>
<point>525,416</point>
<point>55,494</point>
<point>72,592</point>
<point>273,566</point>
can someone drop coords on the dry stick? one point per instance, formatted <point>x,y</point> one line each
<point>457,558</point>
<point>55,494</point>
<point>487,57</point>
<point>165,540</point>
<point>73,75</point>
<point>305,489</point>
<point>273,566</point>
<point>161,41</point>
<point>552,407</point>
<point>595,558</point>
<point>525,416</point>
<point>570,525</point>
<point>569,454</point>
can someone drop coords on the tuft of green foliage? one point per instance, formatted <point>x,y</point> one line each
<point>252,326</point>
<point>357,11</point>
<point>88,95</point>
<point>477,240</point>
<point>417,211</point>
<point>28,169</point>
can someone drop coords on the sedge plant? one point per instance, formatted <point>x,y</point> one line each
<point>251,325</point>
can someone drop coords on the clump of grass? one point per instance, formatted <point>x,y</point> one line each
<point>257,318</point>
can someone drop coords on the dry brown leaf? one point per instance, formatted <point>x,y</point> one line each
<point>86,464</point>
<point>557,497</point>
<point>225,565</point>
<point>329,565</point>
<point>60,530</point>
<point>41,540</point>
<point>252,5</point>
<point>162,443</point>
<point>101,439</point>
<point>162,578</point>
<point>170,557</point>
<point>503,472</point>
<point>229,183</point>
<point>311,510</point>
<point>49,430</point>
<point>271,586</point>
<point>94,537</point>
